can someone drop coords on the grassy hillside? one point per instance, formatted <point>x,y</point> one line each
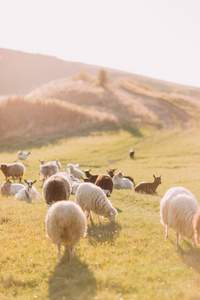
<point>128,260</point>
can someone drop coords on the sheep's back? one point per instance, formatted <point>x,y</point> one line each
<point>65,222</point>
<point>56,188</point>
<point>177,209</point>
<point>91,197</point>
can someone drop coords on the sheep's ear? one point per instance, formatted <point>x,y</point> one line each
<point>154,176</point>
<point>34,181</point>
<point>111,213</point>
<point>25,180</point>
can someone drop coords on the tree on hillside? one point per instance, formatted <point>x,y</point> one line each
<point>103,78</point>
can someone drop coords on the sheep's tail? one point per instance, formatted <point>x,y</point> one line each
<point>196,227</point>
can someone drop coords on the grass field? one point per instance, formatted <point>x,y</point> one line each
<point>128,260</point>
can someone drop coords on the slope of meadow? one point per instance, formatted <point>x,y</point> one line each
<point>128,260</point>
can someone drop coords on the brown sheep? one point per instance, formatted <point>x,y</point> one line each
<point>105,182</point>
<point>148,187</point>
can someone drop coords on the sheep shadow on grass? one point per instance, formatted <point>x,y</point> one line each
<point>190,255</point>
<point>72,280</point>
<point>99,234</point>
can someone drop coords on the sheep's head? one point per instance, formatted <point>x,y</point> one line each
<point>196,227</point>
<point>87,173</point>
<point>5,187</point>
<point>157,179</point>
<point>111,172</point>
<point>29,183</point>
<point>112,214</point>
<point>4,169</point>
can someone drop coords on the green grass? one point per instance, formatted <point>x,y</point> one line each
<point>128,260</point>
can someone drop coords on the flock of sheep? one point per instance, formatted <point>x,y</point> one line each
<point>66,221</point>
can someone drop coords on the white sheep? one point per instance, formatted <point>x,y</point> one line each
<point>77,173</point>
<point>122,183</point>
<point>23,155</point>
<point>48,169</point>
<point>65,224</point>
<point>92,198</point>
<point>57,187</point>
<point>28,193</point>
<point>8,187</point>
<point>179,210</point>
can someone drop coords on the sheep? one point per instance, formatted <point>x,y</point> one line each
<point>179,210</point>
<point>8,187</point>
<point>29,192</point>
<point>23,155</point>
<point>91,178</point>
<point>105,182</point>
<point>131,153</point>
<point>91,198</point>
<point>66,224</point>
<point>48,169</point>
<point>75,185</point>
<point>122,183</point>
<point>112,171</point>
<point>15,169</point>
<point>77,173</point>
<point>56,188</point>
<point>148,187</point>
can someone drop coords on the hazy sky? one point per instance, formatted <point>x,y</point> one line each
<point>156,38</point>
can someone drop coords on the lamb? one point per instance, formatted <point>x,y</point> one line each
<point>91,178</point>
<point>148,187</point>
<point>105,182</point>
<point>112,171</point>
<point>23,155</point>
<point>28,193</point>
<point>8,187</point>
<point>15,169</point>
<point>122,183</point>
<point>77,173</point>
<point>66,224</point>
<point>91,198</point>
<point>179,210</point>
<point>56,188</point>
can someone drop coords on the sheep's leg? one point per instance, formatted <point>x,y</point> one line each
<point>59,247</point>
<point>167,232</point>
<point>91,218</point>
<point>72,252</point>
<point>99,219</point>
<point>177,240</point>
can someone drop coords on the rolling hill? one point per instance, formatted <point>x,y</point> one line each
<point>47,96</point>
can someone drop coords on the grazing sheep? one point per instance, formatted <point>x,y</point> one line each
<point>91,198</point>
<point>15,169</point>
<point>91,178</point>
<point>66,224</point>
<point>131,153</point>
<point>48,169</point>
<point>122,183</point>
<point>77,173</point>
<point>28,193</point>
<point>23,155</point>
<point>8,187</point>
<point>57,187</point>
<point>112,171</point>
<point>105,182</point>
<point>148,187</point>
<point>179,210</point>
